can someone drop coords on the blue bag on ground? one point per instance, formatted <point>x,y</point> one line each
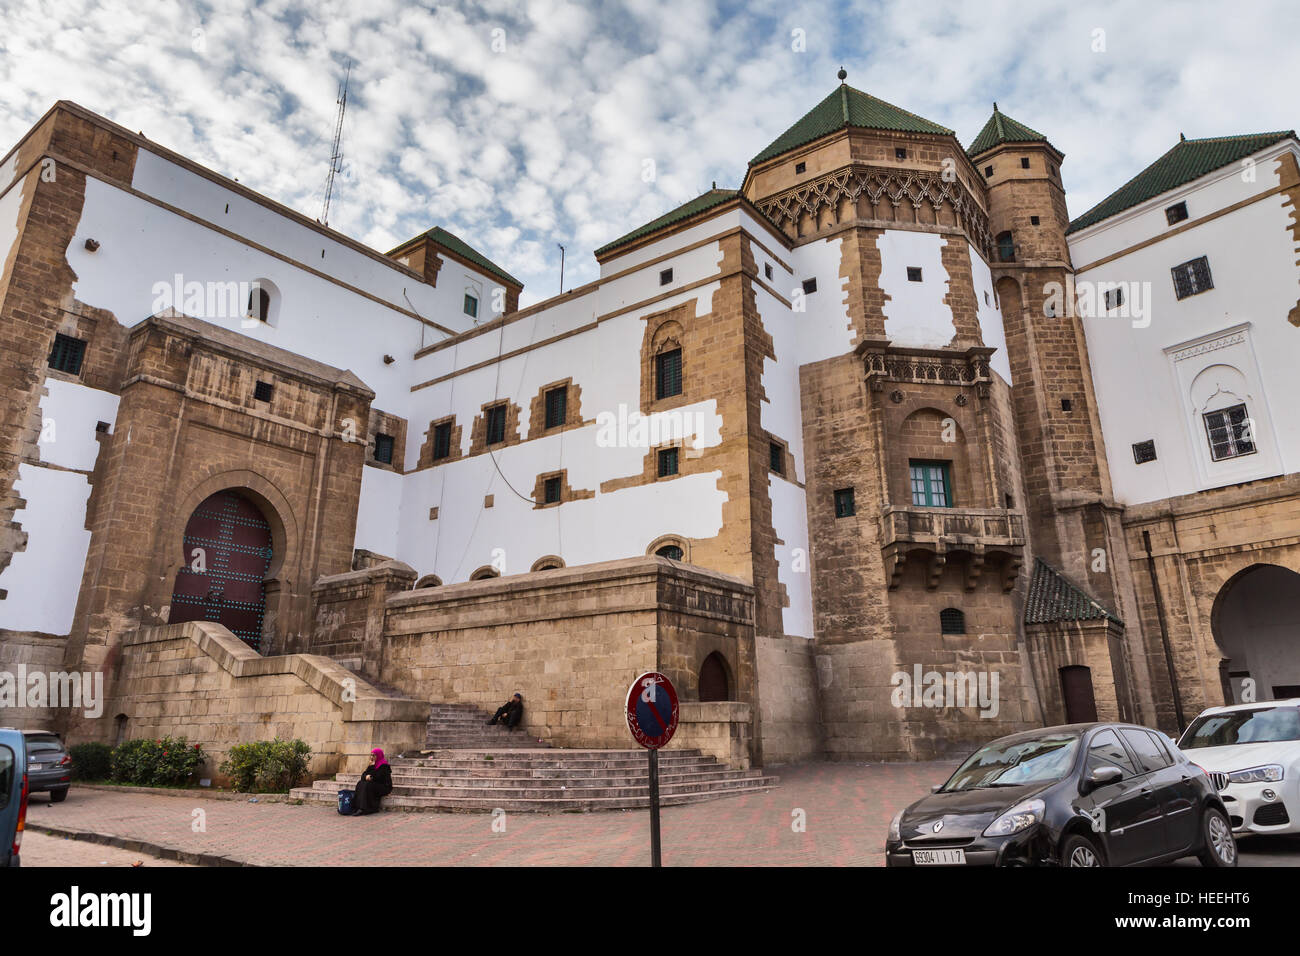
<point>345,802</point>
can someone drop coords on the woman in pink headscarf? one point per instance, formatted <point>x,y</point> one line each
<point>376,783</point>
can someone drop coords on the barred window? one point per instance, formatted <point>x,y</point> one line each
<point>670,551</point>
<point>1192,277</point>
<point>1006,247</point>
<point>844,506</point>
<point>952,621</point>
<point>667,462</point>
<point>776,457</point>
<point>1176,213</point>
<point>557,401</point>
<point>668,374</point>
<point>384,448</point>
<point>496,424</point>
<point>442,441</point>
<point>263,391</point>
<point>1230,432</point>
<point>1144,451</point>
<point>552,489</point>
<point>67,354</point>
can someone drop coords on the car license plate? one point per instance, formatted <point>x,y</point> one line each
<point>939,857</point>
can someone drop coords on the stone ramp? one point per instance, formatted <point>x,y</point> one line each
<point>549,780</point>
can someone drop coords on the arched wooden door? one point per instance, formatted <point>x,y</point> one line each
<point>713,679</point>
<point>227,554</point>
<point>1076,689</point>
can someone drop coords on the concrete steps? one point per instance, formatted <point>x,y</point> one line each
<point>464,726</point>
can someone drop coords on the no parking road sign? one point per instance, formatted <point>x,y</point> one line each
<point>652,710</point>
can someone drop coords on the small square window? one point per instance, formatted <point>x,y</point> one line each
<point>67,354</point>
<point>913,273</point>
<point>666,276</point>
<point>767,271</point>
<point>557,406</point>
<point>667,462</point>
<point>442,441</point>
<point>776,457</point>
<point>952,621</point>
<point>1067,404</point>
<point>844,506</point>
<point>102,427</point>
<point>1144,451</point>
<point>262,391</point>
<point>668,374</point>
<point>1024,162</point>
<point>1230,432</point>
<point>988,172</point>
<point>384,448</point>
<point>496,425</point>
<point>900,152</point>
<point>1033,220</point>
<point>986,299</point>
<point>1176,213</point>
<point>809,286</point>
<point>1192,278</point>
<point>552,490</point>
<point>800,168</point>
<point>471,305</point>
<point>1114,298</point>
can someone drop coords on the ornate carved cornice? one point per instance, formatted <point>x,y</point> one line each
<point>925,366</point>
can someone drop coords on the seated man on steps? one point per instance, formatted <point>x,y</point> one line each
<point>509,713</point>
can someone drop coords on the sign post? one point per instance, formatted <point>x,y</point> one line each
<point>652,714</point>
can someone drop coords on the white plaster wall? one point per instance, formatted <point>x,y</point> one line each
<point>69,413</point>
<point>1139,392</point>
<point>8,171</point>
<point>719,223</point>
<point>915,313</point>
<point>43,581</point>
<point>989,314</point>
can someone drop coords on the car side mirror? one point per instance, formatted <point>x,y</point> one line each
<point>1101,777</point>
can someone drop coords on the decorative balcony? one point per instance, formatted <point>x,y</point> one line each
<point>984,536</point>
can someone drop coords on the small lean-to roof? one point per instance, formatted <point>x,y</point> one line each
<point>714,197</point>
<point>847,107</point>
<point>1189,159</point>
<point>1053,597</point>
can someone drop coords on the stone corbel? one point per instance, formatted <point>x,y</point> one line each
<point>1010,571</point>
<point>895,564</point>
<point>934,568</point>
<point>975,567</point>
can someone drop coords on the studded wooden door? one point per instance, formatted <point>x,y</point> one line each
<point>227,553</point>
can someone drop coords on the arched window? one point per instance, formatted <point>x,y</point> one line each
<point>1006,247</point>
<point>483,573</point>
<point>263,303</point>
<point>713,681</point>
<point>551,562</point>
<point>671,551</point>
<point>428,581</point>
<point>670,546</point>
<point>952,621</point>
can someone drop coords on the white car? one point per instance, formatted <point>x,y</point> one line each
<point>1253,753</point>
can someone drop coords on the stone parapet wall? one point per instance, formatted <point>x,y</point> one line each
<point>349,612</point>
<point>199,681</point>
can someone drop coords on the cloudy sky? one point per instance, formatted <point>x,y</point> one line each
<point>520,126</point>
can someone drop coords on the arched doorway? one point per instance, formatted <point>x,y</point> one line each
<point>1076,691</point>
<point>223,579</point>
<point>713,682</point>
<point>1256,622</point>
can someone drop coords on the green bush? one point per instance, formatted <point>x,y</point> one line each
<point>92,761</point>
<point>165,762</point>
<point>267,766</point>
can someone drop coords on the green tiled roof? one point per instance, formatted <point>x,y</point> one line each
<point>1189,159</point>
<point>1052,597</point>
<point>1000,129</point>
<point>714,197</point>
<point>847,107</point>
<point>460,247</point>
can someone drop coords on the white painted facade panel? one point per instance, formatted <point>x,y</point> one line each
<point>915,313</point>
<point>69,413</point>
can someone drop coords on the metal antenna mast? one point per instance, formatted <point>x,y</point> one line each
<point>336,155</point>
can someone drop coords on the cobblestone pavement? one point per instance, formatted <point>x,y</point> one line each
<point>845,810</point>
<point>42,850</point>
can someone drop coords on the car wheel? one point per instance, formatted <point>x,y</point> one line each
<point>58,796</point>
<point>1078,850</point>
<point>1220,847</point>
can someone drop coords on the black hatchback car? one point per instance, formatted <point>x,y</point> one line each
<point>1078,795</point>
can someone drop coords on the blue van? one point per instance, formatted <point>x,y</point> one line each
<point>13,794</point>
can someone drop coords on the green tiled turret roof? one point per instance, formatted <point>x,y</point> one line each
<point>1053,597</point>
<point>714,197</point>
<point>1000,129</point>
<point>847,107</point>
<point>460,247</point>
<point>1189,159</point>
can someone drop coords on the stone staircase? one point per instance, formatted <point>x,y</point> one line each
<point>551,780</point>
<point>464,727</point>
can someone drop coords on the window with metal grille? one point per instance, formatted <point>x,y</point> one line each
<point>557,406</point>
<point>668,374</point>
<point>552,490</point>
<point>1192,277</point>
<point>809,286</point>
<point>1024,162</point>
<point>952,621</point>
<point>1006,247</point>
<point>931,483</point>
<point>1114,298</point>
<point>263,391</point>
<point>1230,432</point>
<point>665,276</point>
<point>1176,213</point>
<point>776,457</point>
<point>913,273</point>
<point>670,551</point>
<point>471,305</point>
<point>1144,451</point>
<point>799,168</point>
<point>67,354</point>
<point>667,462</point>
<point>900,152</point>
<point>384,448</point>
<point>1033,220</point>
<point>442,441</point>
<point>496,424</point>
<point>844,506</point>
